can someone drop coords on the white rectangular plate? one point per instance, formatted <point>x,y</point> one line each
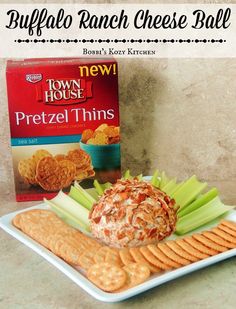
<point>84,283</point>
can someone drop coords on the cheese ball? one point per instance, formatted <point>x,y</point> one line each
<point>132,213</point>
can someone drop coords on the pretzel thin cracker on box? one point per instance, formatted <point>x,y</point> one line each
<point>53,175</point>
<point>103,135</point>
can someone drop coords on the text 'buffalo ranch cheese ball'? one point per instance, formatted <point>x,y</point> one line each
<point>132,213</point>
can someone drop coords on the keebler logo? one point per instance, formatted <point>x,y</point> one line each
<point>33,78</point>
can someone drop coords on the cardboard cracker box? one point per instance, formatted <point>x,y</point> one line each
<point>64,122</point>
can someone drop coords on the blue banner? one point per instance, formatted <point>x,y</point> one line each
<point>43,140</point>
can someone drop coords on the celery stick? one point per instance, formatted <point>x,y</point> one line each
<point>175,188</point>
<point>202,200</point>
<point>201,216</point>
<point>93,193</point>
<point>76,210</point>
<point>98,187</point>
<point>157,183</point>
<point>106,185</point>
<point>155,180</point>
<point>101,187</point>
<point>169,186</point>
<point>127,175</point>
<point>188,191</point>
<point>164,180</point>
<point>67,217</point>
<point>140,177</point>
<point>78,197</point>
<point>84,192</point>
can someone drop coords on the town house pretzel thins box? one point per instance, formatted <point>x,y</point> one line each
<point>64,122</point>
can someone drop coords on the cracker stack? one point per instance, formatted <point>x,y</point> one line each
<point>115,270</point>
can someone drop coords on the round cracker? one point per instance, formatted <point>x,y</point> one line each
<point>137,255</point>
<point>218,240</point>
<point>91,243</point>
<point>48,229</point>
<point>40,235</point>
<point>108,277</point>
<point>137,273</point>
<point>191,250</point>
<point>16,221</point>
<point>100,256</point>
<point>86,260</point>
<point>125,256</point>
<point>36,224</point>
<point>36,217</point>
<point>180,251</point>
<point>55,241</point>
<point>162,257</point>
<point>172,255</point>
<point>229,224</point>
<point>224,235</point>
<point>199,246</point>
<point>69,254</point>
<point>113,257</point>
<point>65,247</point>
<point>207,242</point>
<point>151,258</point>
<point>227,230</point>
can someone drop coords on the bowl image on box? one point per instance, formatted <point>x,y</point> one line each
<point>103,156</point>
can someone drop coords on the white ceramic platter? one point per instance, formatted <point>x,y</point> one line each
<point>84,283</point>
